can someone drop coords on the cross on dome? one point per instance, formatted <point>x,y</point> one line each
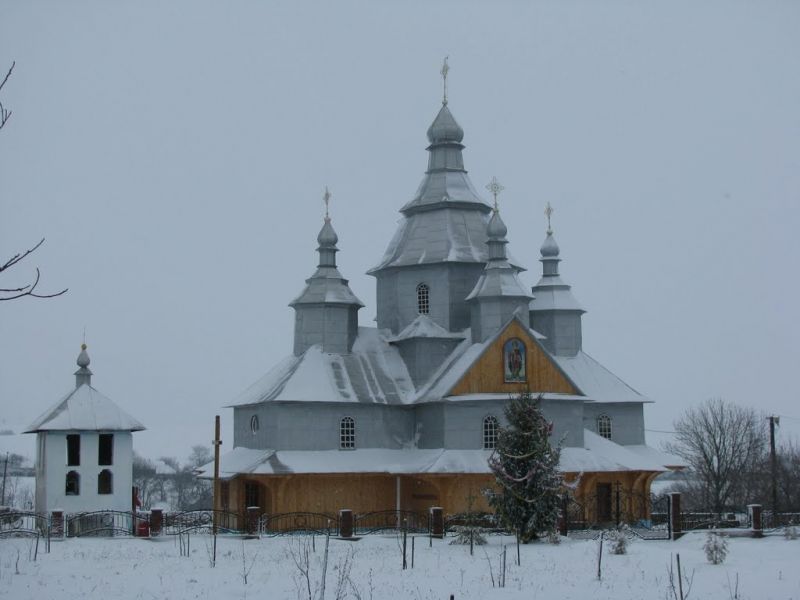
<point>326,198</point>
<point>548,210</point>
<point>445,70</point>
<point>495,187</point>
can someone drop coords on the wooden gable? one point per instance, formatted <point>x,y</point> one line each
<point>487,374</point>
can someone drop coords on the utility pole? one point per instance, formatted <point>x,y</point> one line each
<point>5,470</point>
<point>217,443</point>
<point>773,420</point>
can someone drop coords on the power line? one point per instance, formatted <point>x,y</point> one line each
<point>659,431</point>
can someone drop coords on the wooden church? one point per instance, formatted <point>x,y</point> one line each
<point>405,415</point>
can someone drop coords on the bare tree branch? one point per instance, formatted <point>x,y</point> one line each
<point>5,114</point>
<point>26,290</point>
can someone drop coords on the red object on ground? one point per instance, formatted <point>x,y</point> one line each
<point>143,529</point>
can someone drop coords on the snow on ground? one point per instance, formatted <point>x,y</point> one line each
<point>139,568</point>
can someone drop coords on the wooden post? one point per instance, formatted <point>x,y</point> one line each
<point>345,523</point>
<point>217,443</point>
<point>156,521</point>
<point>437,521</point>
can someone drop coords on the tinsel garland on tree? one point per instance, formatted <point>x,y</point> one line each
<point>525,467</point>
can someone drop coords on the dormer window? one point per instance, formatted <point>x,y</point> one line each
<point>423,299</point>
<point>490,427</point>
<point>347,433</point>
<point>604,426</point>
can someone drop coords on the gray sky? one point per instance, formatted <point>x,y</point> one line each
<point>174,156</point>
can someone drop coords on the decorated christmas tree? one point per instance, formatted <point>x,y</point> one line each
<point>525,467</point>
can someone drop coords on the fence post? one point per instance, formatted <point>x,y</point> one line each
<point>675,515</point>
<point>345,523</point>
<point>156,521</point>
<point>756,526</point>
<point>57,524</point>
<point>437,521</point>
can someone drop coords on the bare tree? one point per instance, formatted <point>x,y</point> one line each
<point>29,289</point>
<point>723,445</point>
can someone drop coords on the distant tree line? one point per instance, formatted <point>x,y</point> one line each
<point>727,450</point>
<point>173,483</point>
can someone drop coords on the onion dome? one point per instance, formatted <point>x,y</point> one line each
<point>327,236</point>
<point>444,128</point>
<point>549,248</point>
<point>83,358</point>
<point>496,228</point>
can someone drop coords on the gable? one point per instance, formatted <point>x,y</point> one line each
<point>536,371</point>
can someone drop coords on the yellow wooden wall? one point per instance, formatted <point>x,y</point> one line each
<point>487,374</point>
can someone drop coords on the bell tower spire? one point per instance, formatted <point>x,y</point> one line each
<point>554,311</point>
<point>326,312</point>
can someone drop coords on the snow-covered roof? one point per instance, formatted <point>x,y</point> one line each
<point>85,409</point>
<point>599,454</point>
<point>424,327</point>
<point>373,372</point>
<point>552,293</point>
<point>665,458</point>
<point>595,381</point>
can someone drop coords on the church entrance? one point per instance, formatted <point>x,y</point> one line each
<point>603,502</point>
<point>255,494</point>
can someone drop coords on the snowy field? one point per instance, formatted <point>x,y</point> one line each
<point>138,568</point>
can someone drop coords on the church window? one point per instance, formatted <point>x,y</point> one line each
<point>604,426</point>
<point>347,433</point>
<point>105,482</point>
<point>254,424</point>
<point>490,427</point>
<point>73,450</point>
<point>105,449</point>
<point>423,299</point>
<point>73,487</point>
<point>514,361</point>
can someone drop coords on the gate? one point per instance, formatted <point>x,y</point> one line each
<point>102,523</point>
<point>645,516</point>
<point>299,523</point>
<point>386,520</point>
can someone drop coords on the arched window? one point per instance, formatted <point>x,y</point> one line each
<point>604,426</point>
<point>254,424</point>
<point>423,299</point>
<point>347,433</point>
<point>73,487</point>
<point>105,482</point>
<point>490,427</point>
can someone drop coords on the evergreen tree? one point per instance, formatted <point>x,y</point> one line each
<point>525,467</point>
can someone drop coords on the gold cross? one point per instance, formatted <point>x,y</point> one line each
<point>444,71</point>
<point>547,212</point>
<point>326,198</point>
<point>495,188</point>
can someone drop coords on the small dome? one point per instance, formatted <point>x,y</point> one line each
<point>83,358</point>
<point>549,248</point>
<point>496,228</point>
<point>444,128</point>
<point>327,236</point>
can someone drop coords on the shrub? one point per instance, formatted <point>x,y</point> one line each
<point>618,540</point>
<point>790,533</point>
<point>463,533</point>
<point>716,548</point>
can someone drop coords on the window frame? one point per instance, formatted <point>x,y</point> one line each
<point>105,482</point>
<point>75,477</point>
<point>108,459</point>
<point>423,299</point>
<point>73,449</point>
<point>255,425</point>
<point>489,431</point>
<point>347,433</point>
<point>604,426</point>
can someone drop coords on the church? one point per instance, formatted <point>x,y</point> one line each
<point>405,415</point>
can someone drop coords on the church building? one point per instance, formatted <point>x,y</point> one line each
<point>405,415</point>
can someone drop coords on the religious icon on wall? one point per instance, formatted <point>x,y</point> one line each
<point>514,361</point>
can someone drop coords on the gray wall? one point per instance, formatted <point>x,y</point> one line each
<point>333,326</point>
<point>449,283</point>
<point>627,420</point>
<point>315,425</point>
<point>424,355</point>
<point>562,329</point>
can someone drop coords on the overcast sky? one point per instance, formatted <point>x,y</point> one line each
<point>174,156</point>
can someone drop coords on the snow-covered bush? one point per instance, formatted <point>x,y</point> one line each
<point>618,540</point>
<point>716,548</point>
<point>465,533</point>
<point>554,537</point>
<point>790,533</point>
